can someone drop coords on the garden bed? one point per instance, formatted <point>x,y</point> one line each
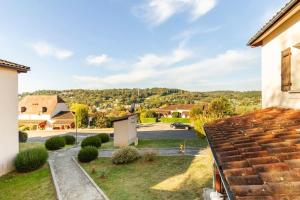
<point>177,178</point>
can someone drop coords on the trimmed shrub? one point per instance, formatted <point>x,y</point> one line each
<point>104,137</point>
<point>87,154</point>
<point>150,156</point>
<point>69,139</point>
<point>23,136</point>
<point>55,143</point>
<point>31,159</point>
<point>173,120</point>
<point>94,141</point>
<point>125,155</point>
<point>148,120</point>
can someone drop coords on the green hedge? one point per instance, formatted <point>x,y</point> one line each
<point>172,120</point>
<point>148,120</point>
<point>31,159</point>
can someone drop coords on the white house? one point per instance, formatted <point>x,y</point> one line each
<point>9,143</point>
<point>183,109</point>
<point>280,42</point>
<point>45,112</point>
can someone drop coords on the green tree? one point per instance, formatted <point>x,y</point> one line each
<point>81,112</point>
<point>221,107</point>
<point>100,120</point>
<point>148,114</point>
<point>176,115</point>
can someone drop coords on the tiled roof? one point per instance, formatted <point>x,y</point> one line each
<point>11,65</point>
<point>64,115</point>
<point>272,21</point>
<point>34,104</point>
<point>258,154</point>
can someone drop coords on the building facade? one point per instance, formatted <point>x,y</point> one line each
<point>9,142</point>
<point>280,42</point>
<point>45,112</point>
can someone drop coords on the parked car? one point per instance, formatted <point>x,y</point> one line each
<point>178,125</point>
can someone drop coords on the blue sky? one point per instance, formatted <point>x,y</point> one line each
<point>198,45</point>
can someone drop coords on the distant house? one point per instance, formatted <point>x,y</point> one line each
<point>183,109</point>
<point>280,42</point>
<point>45,112</point>
<point>9,143</point>
<point>257,155</point>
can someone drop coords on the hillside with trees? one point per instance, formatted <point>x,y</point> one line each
<point>148,98</point>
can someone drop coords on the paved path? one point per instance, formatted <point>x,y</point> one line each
<point>160,151</point>
<point>71,181</point>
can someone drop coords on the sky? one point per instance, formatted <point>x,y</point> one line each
<point>197,45</point>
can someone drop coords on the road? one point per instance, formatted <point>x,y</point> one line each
<point>147,131</point>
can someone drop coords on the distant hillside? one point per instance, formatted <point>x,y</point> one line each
<point>149,97</point>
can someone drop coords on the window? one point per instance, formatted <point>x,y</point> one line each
<point>286,70</point>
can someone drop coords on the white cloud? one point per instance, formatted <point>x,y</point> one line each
<point>98,60</point>
<point>46,49</point>
<point>166,71</point>
<point>156,12</point>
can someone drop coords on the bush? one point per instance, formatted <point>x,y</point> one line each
<point>150,156</point>
<point>148,120</point>
<point>94,141</point>
<point>23,136</point>
<point>87,154</point>
<point>69,139</point>
<point>200,121</point>
<point>173,120</point>
<point>55,143</point>
<point>148,114</point>
<point>31,159</point>
<point>104,137</point>
<point>176,115</point>
<point>125,155</point>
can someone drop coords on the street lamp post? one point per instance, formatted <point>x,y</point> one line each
<point>76,126</point>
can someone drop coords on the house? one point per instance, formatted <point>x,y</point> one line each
<point>183,109</point>
<point>280,43</point>
<point>9,143</point>
<point>125,132</point>
<point>45,112</point>
<point>257,155</point>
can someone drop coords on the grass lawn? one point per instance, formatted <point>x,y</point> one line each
<point>177,178</point>
<point>163,143</point>
<point>29,145</point>
<point>28,186</point>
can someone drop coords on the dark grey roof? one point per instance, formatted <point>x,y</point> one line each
<point>11,65</point>
<point>272,21</point>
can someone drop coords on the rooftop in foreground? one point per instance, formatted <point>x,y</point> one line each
<point>258,154</point>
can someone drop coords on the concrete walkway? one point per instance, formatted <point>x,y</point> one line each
<point>69,179</point>
<point>159,151</point>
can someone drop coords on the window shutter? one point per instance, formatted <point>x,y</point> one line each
<point>286,70</point>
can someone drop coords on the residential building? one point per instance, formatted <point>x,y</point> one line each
<point>183,109</point>
<point>45,112</point>
<point>279,40</point>
<point>257,155</point>
<point>9,142</point>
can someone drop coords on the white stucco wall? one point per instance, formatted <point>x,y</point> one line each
<point>286,36</point>
<point>125,132</point>
<point>9,144</point>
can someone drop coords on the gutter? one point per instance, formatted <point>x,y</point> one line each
<point>223,179</point>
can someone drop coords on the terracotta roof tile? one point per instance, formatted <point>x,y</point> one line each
<point>15,66</point>
<point>258,154</point>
